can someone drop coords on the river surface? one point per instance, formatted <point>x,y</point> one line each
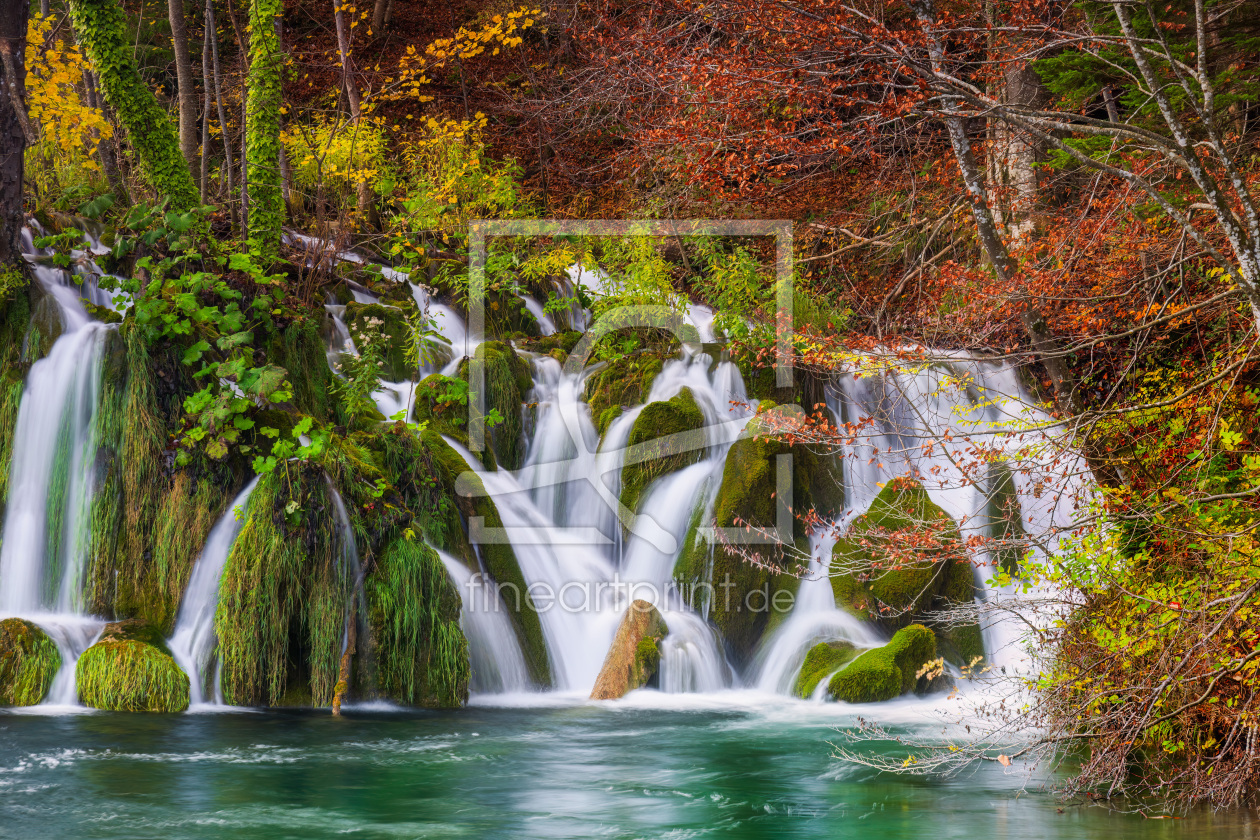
<point>737,767</point>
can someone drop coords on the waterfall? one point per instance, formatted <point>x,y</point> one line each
<point>46,538</point>
<point>498,665</point>
<point>193,641</point>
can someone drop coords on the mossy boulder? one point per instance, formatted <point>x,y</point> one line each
<point>886,672</point>
<point>1003,519</point>
<point>902,561</point>
<point>390,323</point>
<point>498,558</point>
<point>823,659</point>
<point>130,669</point>
<point>746,589</point>
<point>28,662</point>
<point>507,382</point>
<point>625,381</point>
<point>652,453</point>
<point>635,654</point>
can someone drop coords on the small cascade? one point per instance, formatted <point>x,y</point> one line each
<point>193,641</point>
<point>545,325</point>
<point>498,665</point>
<point>814,619</point>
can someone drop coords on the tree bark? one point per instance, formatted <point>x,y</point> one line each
<point>187,94</point>
<point>1043,342</point>
<point>1015,153</point>
<point>378,16</point>
<point>206,91</point>
<point>228,165</point>
<point>351,84</point>
<point>13,134</point>
<point>102,30</point>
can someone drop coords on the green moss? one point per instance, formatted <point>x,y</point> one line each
<point>396,364</point>
<point>148,522</point>
<point>895,559</point>
<point>748,497</point>
<point>623,382</point>
<point>497,558</point>
<point>647,657</point>
<point>129,669</point>
<point>507,382</point>
<point>28,662</point>
<point>648,456</point>
<point>413,609</point>
<point>885,672</point>
<point>1004,522</point>
<point>823,659</point>
<point>101,27</point>
<point>299,349</point>
<point>284,591</point>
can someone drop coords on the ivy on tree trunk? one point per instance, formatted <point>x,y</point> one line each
<point>102,30</point>
<point>262,129</point>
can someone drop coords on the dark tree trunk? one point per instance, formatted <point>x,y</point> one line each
<point>13,125</point>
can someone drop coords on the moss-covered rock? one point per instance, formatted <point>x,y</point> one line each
<point>507,382</point>
<point>652,453</point>
<point>420,653</point>
<point>745,587</point>
<point>823,659</point>
<point>130,669</point>
<point>885,672</point>
<point>625,381</point>
<point>1003,518</point>
<point>28,662</point>
<point>900,560</point>
<point>390,323</point>
<point>635,653</point>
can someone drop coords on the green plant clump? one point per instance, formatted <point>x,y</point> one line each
<point>886,672</point>
<point>421,654</point>
<point>130,670</point>
<point>28,662</point>
<point>823,659</point>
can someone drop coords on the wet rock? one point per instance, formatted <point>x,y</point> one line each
<point>635,653</point>
<point>886,672</point>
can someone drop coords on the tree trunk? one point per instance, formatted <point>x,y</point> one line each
<point>1014,155</point>
<point>206,90</point>
<point>262,129</point>
<point>1043,342</point>
<point>228,165</point>
<point>378,16</point>
<point>105,146</point>
<point>187,93</point>
<point>347,657</point>
<point>102,30</point>
<point>351,84</point>
<point>13,127</point>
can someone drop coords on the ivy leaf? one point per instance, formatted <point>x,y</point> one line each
<point>227,342</point>
<point>194,353</point>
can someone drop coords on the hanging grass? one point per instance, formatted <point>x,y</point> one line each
<point>285,587</point>
<point>148,522</point>
<point>130,670</point>
<point>28,662</point>
<point>413,609</point>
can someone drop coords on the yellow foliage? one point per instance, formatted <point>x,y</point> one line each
<point>501,31</point>
<point>69,129</point>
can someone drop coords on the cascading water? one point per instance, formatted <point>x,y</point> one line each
<point>193,641</point>
<point>46,538</point>
<point>498,665</point>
